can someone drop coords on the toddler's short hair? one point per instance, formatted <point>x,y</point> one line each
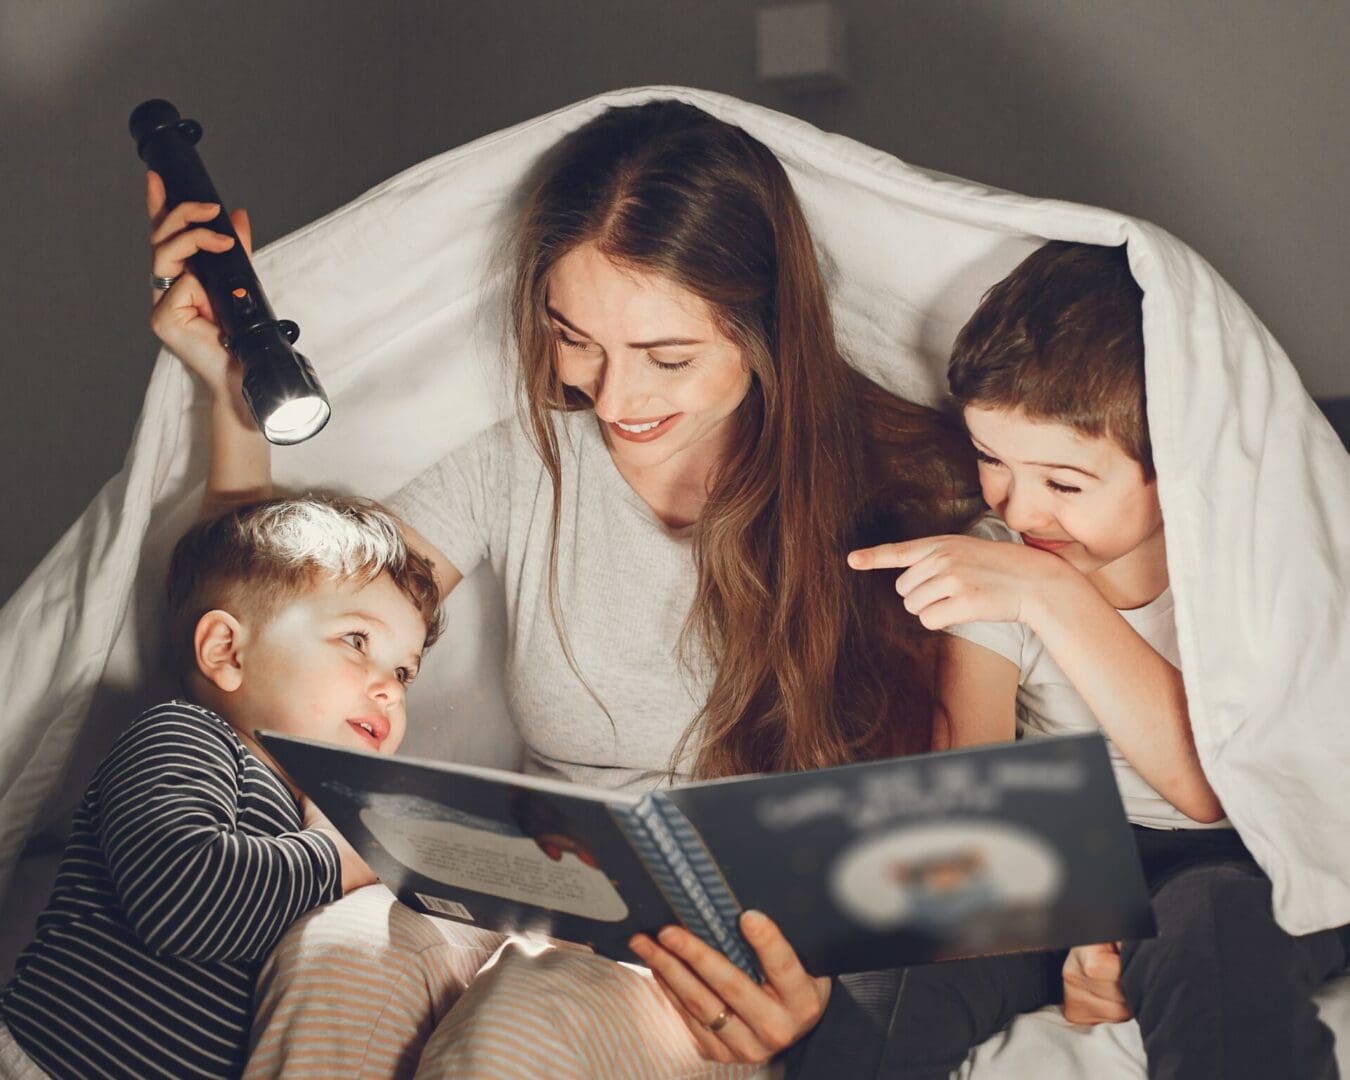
<point>253,558</point>
<point>1062,339</point>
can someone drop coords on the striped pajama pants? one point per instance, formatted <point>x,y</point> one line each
<point>365,987</point>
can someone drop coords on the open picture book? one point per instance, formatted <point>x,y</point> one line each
<point>1017,846</point>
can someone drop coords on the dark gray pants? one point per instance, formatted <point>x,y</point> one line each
<point>1221,991</point>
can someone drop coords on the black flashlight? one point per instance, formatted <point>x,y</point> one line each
<point>280,387</point>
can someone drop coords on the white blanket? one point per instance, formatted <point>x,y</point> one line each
<point>400,298</point>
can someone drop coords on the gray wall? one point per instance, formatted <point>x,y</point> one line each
<point>1222,120</point>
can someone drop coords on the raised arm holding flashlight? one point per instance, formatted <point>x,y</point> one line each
<point>209,307</point>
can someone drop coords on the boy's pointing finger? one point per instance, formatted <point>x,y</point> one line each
<point>892,556</point>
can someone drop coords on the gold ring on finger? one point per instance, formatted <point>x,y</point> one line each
<point>718,1022</point>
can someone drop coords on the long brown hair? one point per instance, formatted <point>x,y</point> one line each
<point>816,664</point>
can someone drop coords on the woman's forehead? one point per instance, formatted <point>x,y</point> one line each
<point>599,297</point>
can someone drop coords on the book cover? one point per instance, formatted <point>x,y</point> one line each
<point>1011,847</point>
<point>1014,847</point>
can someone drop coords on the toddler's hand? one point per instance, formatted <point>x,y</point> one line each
<point>355,871</point>
<point>961,579</point>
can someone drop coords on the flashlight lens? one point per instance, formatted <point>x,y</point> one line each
<point>296,420</point>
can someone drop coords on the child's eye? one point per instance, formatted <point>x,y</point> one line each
<point>985,459</point>
<point>1063,489</point>
<point>405,676</point>
<point>679,366</point>
<point>357,639</point>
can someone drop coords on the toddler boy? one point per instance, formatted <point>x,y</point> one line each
<point>191,852</point>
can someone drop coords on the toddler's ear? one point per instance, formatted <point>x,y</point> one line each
<point>215,644</point>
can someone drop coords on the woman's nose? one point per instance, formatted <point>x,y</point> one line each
<point>619,394</point>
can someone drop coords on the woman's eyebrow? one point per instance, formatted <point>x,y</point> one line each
<point>659,343</point>
<point>557,315</point>
<point>663,343</point>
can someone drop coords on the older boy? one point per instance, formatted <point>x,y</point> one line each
<point>1061,616</point>
<point>191,851</point>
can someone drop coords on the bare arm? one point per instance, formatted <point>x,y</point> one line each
<point>977,690</point>
<point>240,468</point>
<point>447,576</point>
<point>1136,695</point>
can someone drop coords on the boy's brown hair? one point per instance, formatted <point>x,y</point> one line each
<point>1062,339</point>
<point>253,558</point>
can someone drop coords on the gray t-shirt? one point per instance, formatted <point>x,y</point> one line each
<point>625,584</point>
<point>1048,703</point>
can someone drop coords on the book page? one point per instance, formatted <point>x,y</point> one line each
<point>517,854</point>
<point>486,860</point>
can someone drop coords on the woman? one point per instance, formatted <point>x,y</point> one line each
<point>692,462</point>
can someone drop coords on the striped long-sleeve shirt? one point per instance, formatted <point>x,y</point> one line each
<point>185,863</point>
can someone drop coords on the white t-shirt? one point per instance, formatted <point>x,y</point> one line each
<point>1048,704</point>
<point>626,584</point>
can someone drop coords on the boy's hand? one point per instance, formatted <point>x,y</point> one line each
<point>961,579</point>
<point>355,871</point>
<point>1092,993</point>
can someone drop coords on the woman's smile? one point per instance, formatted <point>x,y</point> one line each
<point>643,430</point>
